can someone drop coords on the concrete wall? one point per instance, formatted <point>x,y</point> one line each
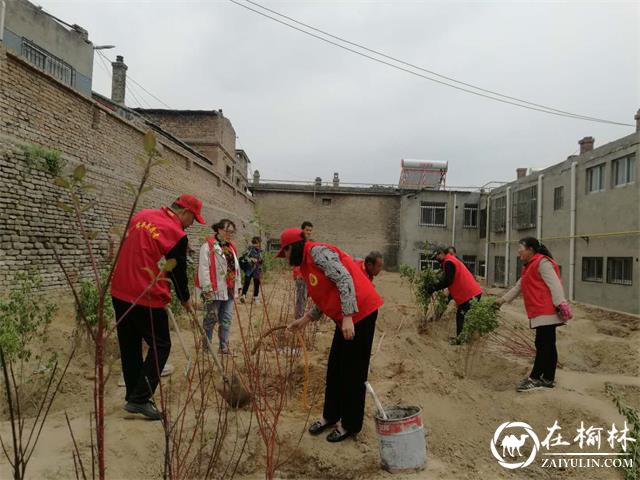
<point>414,236</point>
<point>616,210</point>
<point>357,223</point>
<point>38,110</point>
<point>24,19</point>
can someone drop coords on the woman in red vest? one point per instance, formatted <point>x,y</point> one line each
<point>340,290</point>
<point>463,286</point>
<point>546,308</point>
<point>218,278</point>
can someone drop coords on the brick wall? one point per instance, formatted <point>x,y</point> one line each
<point>357,223</point>
<point>36,109</point>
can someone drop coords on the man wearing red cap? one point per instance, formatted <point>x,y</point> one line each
<point>139,301</point>
<point>341,290</point>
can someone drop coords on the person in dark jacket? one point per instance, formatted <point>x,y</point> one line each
<point>253,270</point>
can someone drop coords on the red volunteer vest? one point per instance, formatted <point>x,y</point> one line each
<point>535,293</point>
<point>212,263</point>
<point>150,236</point>
<point>324,292</point>
<point>464,286</point>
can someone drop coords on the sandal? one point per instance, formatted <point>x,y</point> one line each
<point>335,436</point>
<point>318,427</point>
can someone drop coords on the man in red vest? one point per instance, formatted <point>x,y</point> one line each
<point>341,290</point>
<point>372,264</point>
<point>139,301</point>
<point>462,285</point>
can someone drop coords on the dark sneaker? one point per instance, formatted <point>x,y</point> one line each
<point>529,384</point>
<point>148,409</point>
<point>544,383</point>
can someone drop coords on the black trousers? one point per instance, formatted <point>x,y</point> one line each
<point>256,285</point>
<point>347,370</point>
<point>151,325</point>
<point>546,353</point>
<point>461,311</point>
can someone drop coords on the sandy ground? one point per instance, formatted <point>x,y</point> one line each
<point>461,410</point>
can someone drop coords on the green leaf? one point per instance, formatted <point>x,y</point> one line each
<point>64,207</point>
<point>141,160</point>
<point>86,207</point>
<point>149,141</point>
<point>79,172</point>
<point>92,234</point>
<point>147,189</point>
<point>88,186</point>
<point>169,265</point>
<point>61,182</point>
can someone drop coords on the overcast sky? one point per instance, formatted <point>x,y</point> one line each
<point>302,108</point>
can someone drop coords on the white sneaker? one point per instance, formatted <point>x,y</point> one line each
<point>256,300</point>
<point>167,370</point>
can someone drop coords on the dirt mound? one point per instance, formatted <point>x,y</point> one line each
<point>462,407</point>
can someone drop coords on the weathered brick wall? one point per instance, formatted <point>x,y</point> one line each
<point>354,222</point>
<point>36,109</point>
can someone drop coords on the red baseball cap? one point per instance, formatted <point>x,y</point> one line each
<point>287,237</point>
<point>193,204</point>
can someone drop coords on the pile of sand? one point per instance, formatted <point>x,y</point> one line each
<point>461,412</point>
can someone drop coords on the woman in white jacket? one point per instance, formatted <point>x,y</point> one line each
<point>219,280</point>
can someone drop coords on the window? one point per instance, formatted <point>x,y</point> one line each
<point>238,182</point>
<point>498,270</point>
<point>592,269</point>
<point>623,170</point>
<point>525,208</point>
<point>426,262</point>
<point>499,216</point>
<point>518,268</point>
<point>619,270</point>
<point>228,171</point>
<point>470,262</point>
<point>326,202</point>
<point>483,223</point>
<point>558,198</point>
<point>471,215</point>
<point>433,214</point>
<point>595,178</point>
<point>273,245</point>
<point>482,268</point>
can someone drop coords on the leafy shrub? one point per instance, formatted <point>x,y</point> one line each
<point>632,471</point>
<point>24,317</point>
<point>480,320</point>
<point>46,159</point>
<point>407,272</point>
<point>89,298</point>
